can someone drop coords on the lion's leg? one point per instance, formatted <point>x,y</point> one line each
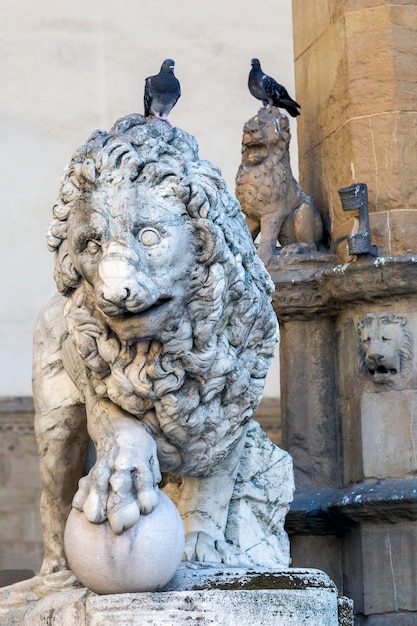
<point>62,442</point>
<point>308,227</point>
<point>270,228</point>
<point>123,483</point>
<point>60,429</point>
<point>204,504</point>
<point>254,226</point>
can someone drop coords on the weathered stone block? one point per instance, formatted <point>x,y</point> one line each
<point>389,433</point>
<point>312,21</point>
<point>376,151</point>
<point>20,487</point>
<point>388,571</point>
<point>360,121</point>
<point>323,552</point>
<point>394,232</point>
<point>313,454</point>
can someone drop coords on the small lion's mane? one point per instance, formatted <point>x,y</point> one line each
<point>208,375</point>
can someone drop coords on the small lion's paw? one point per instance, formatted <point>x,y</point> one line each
<point>202,547</point>
<point>123,483</point>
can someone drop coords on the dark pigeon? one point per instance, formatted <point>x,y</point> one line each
<point>161,91</point>
<point>271,93</point>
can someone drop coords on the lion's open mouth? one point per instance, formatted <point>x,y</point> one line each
<point>382,370</point>
<point>154,308</point>
<point>145,323</point>
<point>257,147</point>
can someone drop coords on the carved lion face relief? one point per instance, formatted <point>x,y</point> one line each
<point>385,344</point>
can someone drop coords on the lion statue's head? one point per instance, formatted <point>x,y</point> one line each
<point>166,300</point>
<point>266,135</point>
<point>385,346</point>
<point>274,203</point>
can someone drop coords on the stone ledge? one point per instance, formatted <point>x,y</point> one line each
<point>207,596</point>
<point>306,288</point>
<point>390,619</point>
<point>333,511</point>
<point>16,404</point>
<point>16,414</point>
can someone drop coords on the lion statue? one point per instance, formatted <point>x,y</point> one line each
<point>386,346</point>
<point>271,199</point>
<point>155,349</point>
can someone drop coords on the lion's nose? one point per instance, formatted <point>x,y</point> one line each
<point>122,286</point>
<point>117,279</point>
<point>115,294</point>
<point>374,359</point>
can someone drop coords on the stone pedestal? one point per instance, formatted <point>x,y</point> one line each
<point>204,596</point>
<point>351,426</point>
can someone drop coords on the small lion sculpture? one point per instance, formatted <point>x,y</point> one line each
<point>156,349</point>
<point>271,199</point>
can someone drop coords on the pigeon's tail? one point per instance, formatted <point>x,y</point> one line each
<point>292,111</point>
<point>290,105</point>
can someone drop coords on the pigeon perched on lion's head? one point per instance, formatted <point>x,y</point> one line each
<point>265,88</point>
<point>161,91</point>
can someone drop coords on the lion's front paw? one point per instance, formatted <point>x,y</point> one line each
<point>202,547</point>
<point>123,483</point>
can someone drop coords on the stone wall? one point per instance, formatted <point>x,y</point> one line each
<point>355,78</point>
<point>349,421</point>
<point>20,528</point>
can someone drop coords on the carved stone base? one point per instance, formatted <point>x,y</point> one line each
<point>231,597</point>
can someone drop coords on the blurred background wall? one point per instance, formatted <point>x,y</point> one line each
<point>72,66</point>
<point>68,68</point>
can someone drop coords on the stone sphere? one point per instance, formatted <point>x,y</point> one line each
<point>143,558</point>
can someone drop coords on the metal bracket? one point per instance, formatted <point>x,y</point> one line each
<point>355,198</point>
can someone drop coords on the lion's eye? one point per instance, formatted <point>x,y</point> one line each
<point>149,237</point>
<point>92,247</point>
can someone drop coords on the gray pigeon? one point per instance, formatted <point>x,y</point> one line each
<point>161,91</point>
<point>271,93</point>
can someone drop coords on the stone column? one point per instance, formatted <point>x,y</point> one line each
<point>355,80</point>
<point>307,389</point>
<point>357,86</point>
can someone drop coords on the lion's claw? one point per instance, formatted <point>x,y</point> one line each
<point>123,483</point>
<point>123,518</point>
<point>200,546</point>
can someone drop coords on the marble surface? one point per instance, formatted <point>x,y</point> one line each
<point>211,596</point>
<point>143,558</point>
<point>155,348</point>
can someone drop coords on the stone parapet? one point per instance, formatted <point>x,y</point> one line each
<point>332,511</point>
<point>307,288</point>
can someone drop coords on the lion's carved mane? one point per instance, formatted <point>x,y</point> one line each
<point>197,387</point>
